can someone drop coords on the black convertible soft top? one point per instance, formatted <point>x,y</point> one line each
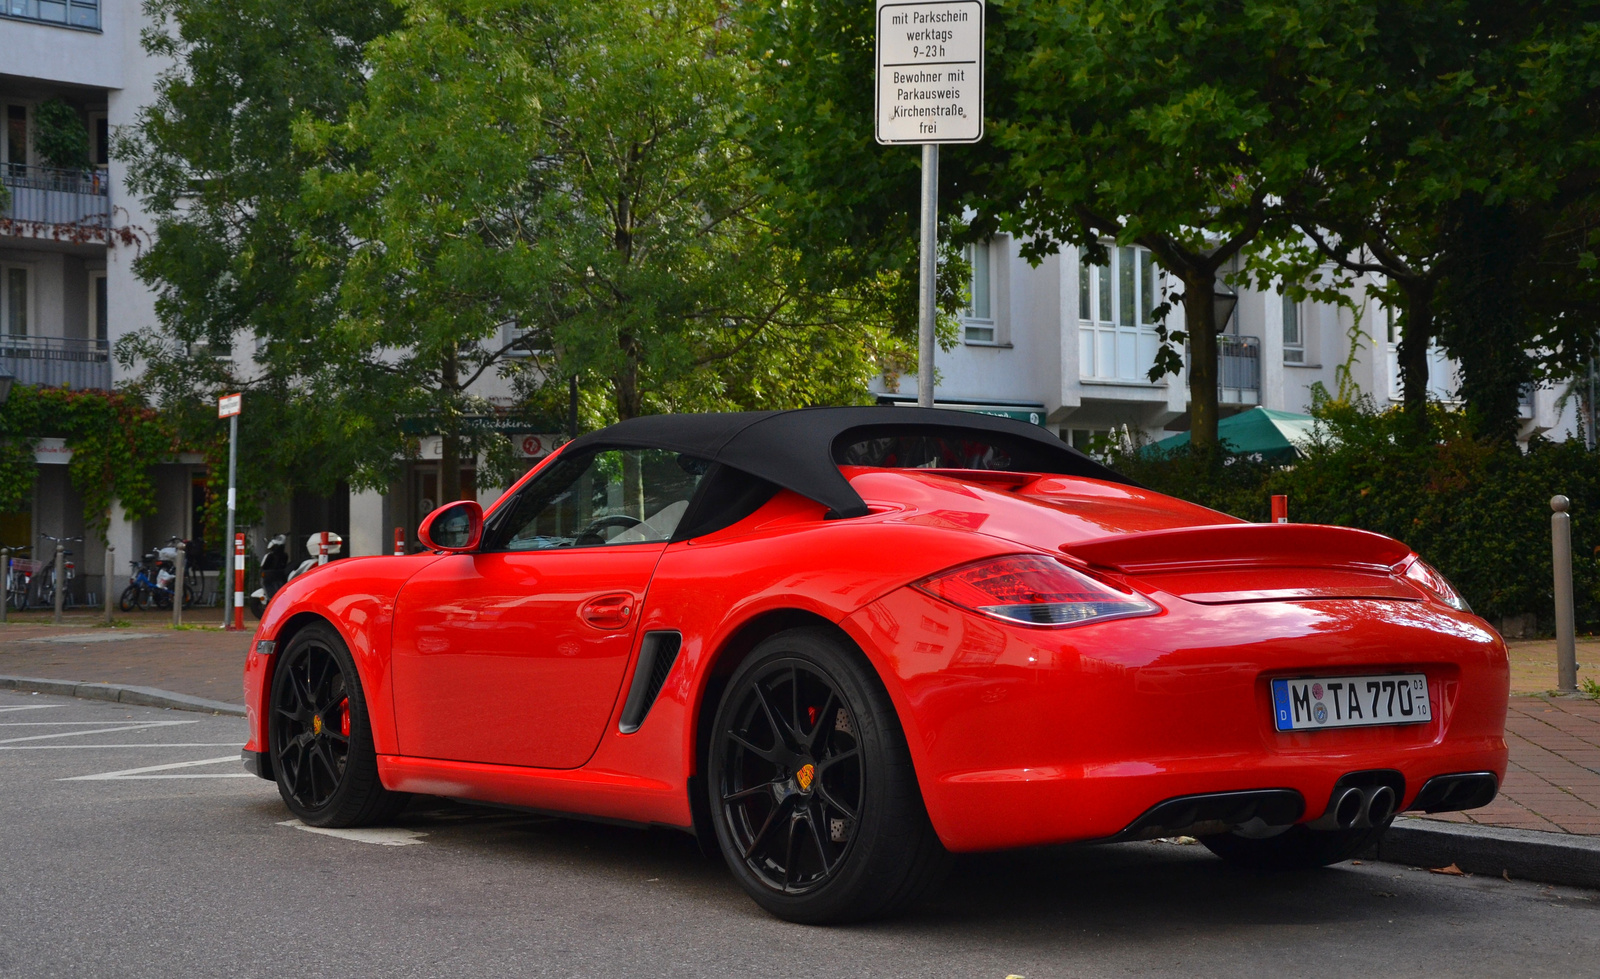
<point>801,450</point>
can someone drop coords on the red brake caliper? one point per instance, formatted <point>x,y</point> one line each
<point>344,717</point>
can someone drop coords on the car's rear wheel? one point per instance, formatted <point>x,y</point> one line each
<point>1296,848</point>
<point>813,797</point>
<point>322,753</point>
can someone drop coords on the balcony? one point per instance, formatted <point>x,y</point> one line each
<point>1238,369</point>
<point>45,201</point>
<point>54,362</point>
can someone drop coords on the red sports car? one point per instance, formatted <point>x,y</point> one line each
<point>842,643</point>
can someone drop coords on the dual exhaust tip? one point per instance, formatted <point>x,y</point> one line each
<point>1358,807</point>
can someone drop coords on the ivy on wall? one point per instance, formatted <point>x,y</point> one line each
<point>114,441</point>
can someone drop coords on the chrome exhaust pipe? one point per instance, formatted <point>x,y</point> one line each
<point>1349,808</point>
<point>1380,805</point>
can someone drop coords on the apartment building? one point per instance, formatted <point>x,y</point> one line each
<point>1068,345</point>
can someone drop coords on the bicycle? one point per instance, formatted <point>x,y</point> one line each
<point>47,583</point>
<point>18,573</point>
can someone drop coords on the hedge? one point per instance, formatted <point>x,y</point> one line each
<point>1478,511</point>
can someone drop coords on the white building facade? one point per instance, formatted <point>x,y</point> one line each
<point>1070,345</point>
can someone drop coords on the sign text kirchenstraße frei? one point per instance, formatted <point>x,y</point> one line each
<point>930,71</point>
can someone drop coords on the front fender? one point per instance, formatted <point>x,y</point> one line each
<point>357,597</point>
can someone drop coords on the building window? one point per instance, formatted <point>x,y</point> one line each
<point>1294,333</point>
<point>97,306</point>
<point>15,144</point>
<point>1116,314</point>
<point>68,13</point>
<point>978,318</point>
<point>15,300</point>
<point>99,139</point>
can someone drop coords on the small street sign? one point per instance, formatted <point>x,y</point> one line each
<point>930,71</point>
<point>228,405</point>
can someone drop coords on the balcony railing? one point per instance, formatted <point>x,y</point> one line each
<point>57,361</point>
<point>1238,369</point>
<point>48,196</point>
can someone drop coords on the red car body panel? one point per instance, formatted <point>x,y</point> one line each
<point>1020,735</point>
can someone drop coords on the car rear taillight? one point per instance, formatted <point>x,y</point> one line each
<point>1422,573</point>
<point>1034,590</point>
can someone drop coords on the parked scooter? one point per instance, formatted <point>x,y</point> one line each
<point>275,562</point>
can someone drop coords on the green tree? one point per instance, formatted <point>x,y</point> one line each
<point>1181,125</point>
<point>60,135</point>
<point>239,307</point>
<point>563,182</point>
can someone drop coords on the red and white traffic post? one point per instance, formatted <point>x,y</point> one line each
<point>399,542</point>
<point>1280,509</point>
<point>322,547</point>
<point>228,407</point>
<point>238,581</point>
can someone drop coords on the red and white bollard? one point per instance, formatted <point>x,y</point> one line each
<point>1280,509</point>
<point>238,582</point>
<point>322,547</point>
<point>399,542</point>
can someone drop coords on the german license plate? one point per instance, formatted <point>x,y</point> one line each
<point>1350,701</point>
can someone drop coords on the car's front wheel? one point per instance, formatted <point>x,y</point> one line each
<point>1297,848</point>
<point>322,753</point>
<point>813,797</point>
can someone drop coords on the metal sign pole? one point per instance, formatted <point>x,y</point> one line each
<point>228,407</point>
<point>928,287</point>
<point>929,90</point>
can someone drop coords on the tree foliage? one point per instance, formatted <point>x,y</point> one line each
<point>114,440</point>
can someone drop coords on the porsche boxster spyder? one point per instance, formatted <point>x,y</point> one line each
<point>840,644</point>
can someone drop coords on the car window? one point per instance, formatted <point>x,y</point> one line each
<point>600,498</point>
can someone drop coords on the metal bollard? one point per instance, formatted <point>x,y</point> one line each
<point>61,580</point>
<point>177,587</point>
<point>111,562</point>
<point>1280,509</point>
<point>1561,559</point>
<point>5,589</point>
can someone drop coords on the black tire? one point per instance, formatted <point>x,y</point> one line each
<point>130,598</point>
<point>255,606</point>
<point>848,841</point>
<point>322,754</point>
<point>1297,848</point>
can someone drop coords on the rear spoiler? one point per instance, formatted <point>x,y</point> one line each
<point>1242,545</point>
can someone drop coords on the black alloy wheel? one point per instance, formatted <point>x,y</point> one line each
<point>792,783</point>
<point>812,794</point>
<point>322,753</point>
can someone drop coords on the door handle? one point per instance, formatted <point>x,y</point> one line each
<point>608,611</point>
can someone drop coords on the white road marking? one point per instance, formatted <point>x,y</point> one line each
<point>381,835</point>
<point>135,773</point>
<point>145,726</point>
<point>84,637</point>
<point>79,747</point>
<point>28,707</point>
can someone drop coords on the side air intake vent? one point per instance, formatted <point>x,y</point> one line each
<point>658,653</point>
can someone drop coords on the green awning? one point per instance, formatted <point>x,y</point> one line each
<point>1273,435</point>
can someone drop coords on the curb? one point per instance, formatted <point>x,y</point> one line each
<point>1523,854</point>
<point>120,693</point>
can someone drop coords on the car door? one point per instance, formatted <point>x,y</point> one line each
<point>514,655</point>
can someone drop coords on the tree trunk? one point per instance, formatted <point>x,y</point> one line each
<point>630,400</point>
<point>1416,335</point>
<point>1200,321</point>
<point>449,431</point>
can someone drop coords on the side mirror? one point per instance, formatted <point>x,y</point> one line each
<point>455,527</point>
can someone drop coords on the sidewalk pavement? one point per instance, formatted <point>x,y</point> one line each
<point>1553,783</point>
<point>198,660</point>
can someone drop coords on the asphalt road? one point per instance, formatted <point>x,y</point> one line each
<point>130,846</point>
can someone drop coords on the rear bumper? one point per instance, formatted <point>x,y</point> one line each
<point>1032,736</point>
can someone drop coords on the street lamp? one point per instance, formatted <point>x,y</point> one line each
<point>1222,304</point>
